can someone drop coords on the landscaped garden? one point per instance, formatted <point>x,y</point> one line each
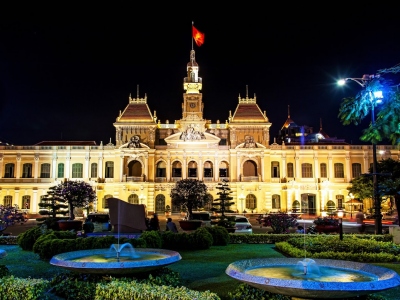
<point>202,268</point>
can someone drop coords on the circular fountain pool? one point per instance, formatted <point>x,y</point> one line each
<point>336,278</point>
<point>99,261</point>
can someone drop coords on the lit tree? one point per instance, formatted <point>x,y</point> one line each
<point>190,193</point>
<point>388,182</point>
<point>76,194</point>
<point>222,205</point>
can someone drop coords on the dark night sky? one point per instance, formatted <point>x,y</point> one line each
<point>66,77</point>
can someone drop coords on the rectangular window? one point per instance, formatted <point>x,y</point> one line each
<point>290,171</point>
<point>339,170</point>
<point>208,172</point>
<point>93,170</point>
<point>77,170</point>
<point>60,170</point>
<point>109,169</point>
<point>276,201</point>
<point>27,171</point>
<point>306,170</point>
<point>192,172</point>
<point>275,169</point>
<point>176,172</point>
<point>45,171</point>
<point>323,170</point>
<point>340,203</point>
<point>356,169</point>
<point>7,200</point>
<point>223,172</point>
<point>9,171</point>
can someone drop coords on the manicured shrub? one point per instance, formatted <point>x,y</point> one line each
<point>220,235</point>
<point>152,239</point>
<point>27,239</point>
<point>200,239</point>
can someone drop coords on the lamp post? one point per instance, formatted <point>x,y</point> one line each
<point>375,98</point>
<point>340,216</point>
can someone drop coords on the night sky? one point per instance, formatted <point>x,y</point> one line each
<point>65,75</point>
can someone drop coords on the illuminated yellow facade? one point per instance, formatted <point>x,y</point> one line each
<point>149,156</point>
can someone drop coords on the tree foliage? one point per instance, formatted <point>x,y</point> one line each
<point>190,193</point>
<point>222,205</point>
<point>76,194</point>
<point>53,203</point>
<point>388,176</point>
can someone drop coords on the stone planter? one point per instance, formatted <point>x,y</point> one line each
<point>190,224</point>
<point>75,225</point>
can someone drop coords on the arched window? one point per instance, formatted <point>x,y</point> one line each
<point>161,170</point>
<point>160,203</point>
<point>77,170</point>
<point>133,199</point>
<point>251,202</point>
<point>192,169</point>
<point>176,169</point>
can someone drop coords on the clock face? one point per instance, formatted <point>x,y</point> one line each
<point>192,105</point>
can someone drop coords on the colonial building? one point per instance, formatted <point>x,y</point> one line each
<point>298,171</point>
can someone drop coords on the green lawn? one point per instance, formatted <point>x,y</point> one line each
<point>199,270</point>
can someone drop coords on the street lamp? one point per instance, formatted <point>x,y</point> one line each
<point>340,216</point>
<point>375,98</point>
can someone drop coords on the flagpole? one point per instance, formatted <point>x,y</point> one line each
<point>192,34</point>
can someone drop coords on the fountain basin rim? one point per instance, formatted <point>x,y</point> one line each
<point>64,259</point>
<point>386,278</point>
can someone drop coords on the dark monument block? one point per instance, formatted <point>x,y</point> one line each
<point>126,217</point>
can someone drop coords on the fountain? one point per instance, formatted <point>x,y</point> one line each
<point>119,259</point>
<point>111,262</point>
<point>313,279</point>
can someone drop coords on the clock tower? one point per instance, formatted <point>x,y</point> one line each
<point>192,108</point>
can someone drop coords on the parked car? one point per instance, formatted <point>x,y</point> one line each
<point>243,225</point>
<point>101,221</point>
<point>204,216</point>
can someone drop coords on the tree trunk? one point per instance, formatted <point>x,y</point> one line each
<point>71,211</point>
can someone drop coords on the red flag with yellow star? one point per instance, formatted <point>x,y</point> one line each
<point>197,36</point>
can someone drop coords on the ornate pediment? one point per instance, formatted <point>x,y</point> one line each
<point>192,139</point>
